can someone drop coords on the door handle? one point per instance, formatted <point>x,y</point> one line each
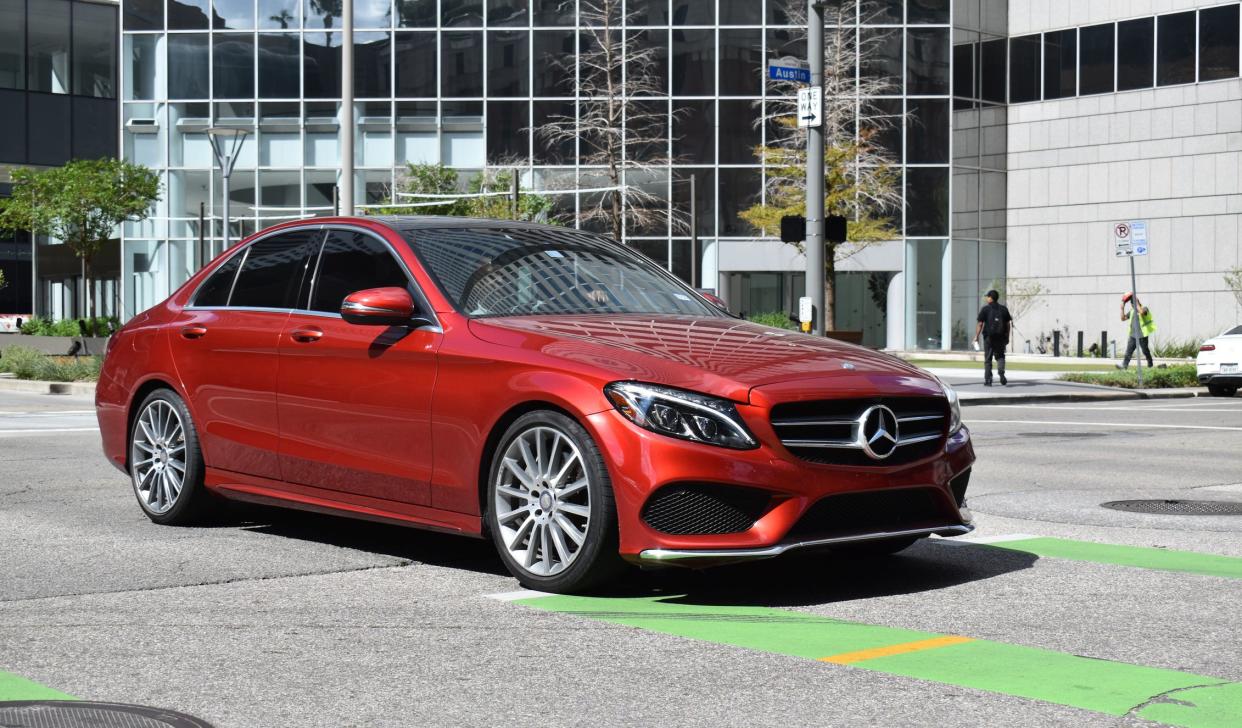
<point>193,332</point>
<point>307,335</point>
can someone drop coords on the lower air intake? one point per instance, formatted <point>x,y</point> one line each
<point>703,509</point>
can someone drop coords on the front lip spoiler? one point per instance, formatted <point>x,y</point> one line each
<point>719,557</point>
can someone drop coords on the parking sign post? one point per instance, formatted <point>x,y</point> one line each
<point>1130,240</point>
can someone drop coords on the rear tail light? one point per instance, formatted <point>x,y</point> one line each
<point>1208,347</point>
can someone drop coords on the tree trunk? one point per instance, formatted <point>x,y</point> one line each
<point>90,295</point>
<point>830,287</point>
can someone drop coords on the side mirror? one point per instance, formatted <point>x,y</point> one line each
<point>715,300</point>
<point>379,307</point>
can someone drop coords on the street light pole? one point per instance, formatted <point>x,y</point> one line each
<point>815,172</point>
<point>347,108</point>
<point>226,142</point>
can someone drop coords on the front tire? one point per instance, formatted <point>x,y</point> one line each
<point>1222,390</point>
<point>166,463</point>
<point>550,506</point>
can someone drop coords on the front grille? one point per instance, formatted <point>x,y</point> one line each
<point>827,431</point>
<point>850,514</point>
<point>704,509</point>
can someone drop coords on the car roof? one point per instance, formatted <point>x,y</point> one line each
<point>404,223</point>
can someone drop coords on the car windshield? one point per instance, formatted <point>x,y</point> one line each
<point>1235,331</point>
<point>536,271</point>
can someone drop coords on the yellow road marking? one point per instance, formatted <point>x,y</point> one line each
<point>849,658</point>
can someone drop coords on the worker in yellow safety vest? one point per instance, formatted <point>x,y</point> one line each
<point>1147,327</point>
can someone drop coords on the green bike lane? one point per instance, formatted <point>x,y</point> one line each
<point>1174,697</point>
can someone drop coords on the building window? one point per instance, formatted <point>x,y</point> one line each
<point>992,71</point>
<point>1135,39</point>
<point>47,63</point>
<point>373,65</point>
<point>694,62</point>
<point>923,12</point>
<point>1095,58</point>
<point>928,132</point>
<point>461,13</point>
<point>94,50</point>
<point>280,66</point>
<point>188,14</point>
<point>507,13</point>
<point>1218,43</point>
<point>233,15</point>
<point>187,67</point>
<point>144,15</point>
<point>416,65</point>
<point>279,14</point>
<point>927,201</point>
<point>321,63</point>
<point>461,66</point>
<point>1175,49</point>
<point>927,62</point>
<point>508,61</point>
<point>13,44</point>
<point>1060,64</point>
<point>1024,72</point>
<point>233,61</point>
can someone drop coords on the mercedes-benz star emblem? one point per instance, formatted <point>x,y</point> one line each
<point>877,432</point>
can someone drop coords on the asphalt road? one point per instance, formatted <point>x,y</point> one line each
<point>283,619</point>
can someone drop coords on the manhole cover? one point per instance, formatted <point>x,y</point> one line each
<point>83,714</point>
<point>1178,507</point>
<point>1063,434</point>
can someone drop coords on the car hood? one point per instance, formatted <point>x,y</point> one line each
<point>721,356</point>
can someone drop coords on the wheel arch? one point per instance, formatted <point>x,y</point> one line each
<point>498,430</point>
<point>142,392</point>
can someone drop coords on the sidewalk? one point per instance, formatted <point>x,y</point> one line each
<point>1041,387</point>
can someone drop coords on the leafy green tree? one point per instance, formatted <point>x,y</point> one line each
<point>425,179</point>
<point>81,204</point>
<point>532,206</point>
<point>437,179</point>
<point>1233,279</point>
<point>3,283</point>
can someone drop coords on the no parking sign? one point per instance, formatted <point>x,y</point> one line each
<point>1130,238</point>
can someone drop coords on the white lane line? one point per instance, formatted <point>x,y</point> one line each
<point>1114,425</point>
<point>986,539</point>
<point>46,413</point>
<point>1154,408</point>
<point>1230,488</point>
<point>514,596</point>
<point>3,431</point>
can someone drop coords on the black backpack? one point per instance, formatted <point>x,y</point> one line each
<point>995,326</point>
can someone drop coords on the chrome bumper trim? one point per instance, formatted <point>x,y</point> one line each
<point>728,556</point>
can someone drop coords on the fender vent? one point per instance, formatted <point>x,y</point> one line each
<point>703,509</point>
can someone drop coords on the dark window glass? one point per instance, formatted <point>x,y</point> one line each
<point>1218,43</point>
<point>509,13</point>
<point>279,14</point>
<point>144,14</point>
<point>548,151</point>
<point>653,46</point>
<point>508,135</point>
<point>595,41</point>
<point>233,61</point>
<point>188,14</point>
<point>552,46</point>
<point>739,135</point>
<point>508,63</point>
<point>1134,53</point>
<point>741,12</point>
<point>461,12</point>
<point>232,15</point>
<point>927,201</point>
<point>884,117</point>
<point>927,132</point>
<point>694,138</point>
<point>1024,72</point>
<point>279,66</point>
<point>48,129</point>
<point>372,65</point>
<point>647,123</point>
<point>694,63</point>
<point>739,189</point>
<point>705,199</point>
<point>965,78</point>
<point>188,66</point>
<point>322,65</point>
<point>417,62</point>
<point>694,12</point>
<point>47,58</point>
<point>1060,64</point>
<point>1175,49</point>
<point>416,13</point>
<point>992,70</point>
<point>927,61</point>
<point>884,12</point>
<point>12,44</point>
<point>461,66</point>
<point>928,11</point>
<point>215,290</point>
<point>352,262</point>
<point>882,57</point>
<point>94,50</point>
<point>645,12</point>
<point>741,62</point>
<point>554,12</point>
<point>1096,58</point>
<point>13,126</point>
<point>272,273</point>
<point>325,14</point>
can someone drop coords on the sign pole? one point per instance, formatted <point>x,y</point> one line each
<point>815,172</point>
<point>1135,329</point>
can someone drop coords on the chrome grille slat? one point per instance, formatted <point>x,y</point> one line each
<point>815,430</point>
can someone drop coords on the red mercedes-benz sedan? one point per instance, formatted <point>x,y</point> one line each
<point>545,387</point>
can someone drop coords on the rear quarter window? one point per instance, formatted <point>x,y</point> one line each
<point>215,291</point>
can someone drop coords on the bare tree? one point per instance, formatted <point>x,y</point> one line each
<point>1233,279</point>
<point>862,182</point>
<point>618,130</point>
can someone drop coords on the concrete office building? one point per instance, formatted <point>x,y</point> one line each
<point>1030,127</point>
<point>58,101</point>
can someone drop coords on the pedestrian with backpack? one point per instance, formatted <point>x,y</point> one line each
<point>1147,327</point>
<point>994,325</point>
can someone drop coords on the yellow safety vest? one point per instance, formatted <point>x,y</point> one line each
<point>1147,323</point>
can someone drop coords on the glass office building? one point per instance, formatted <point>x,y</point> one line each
<point>58,101</point>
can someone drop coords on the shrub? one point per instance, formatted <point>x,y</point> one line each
<point>1180,375</point>
<point>37,326</point>
<point>775,319</point>
<point>26,363</point>
<point>1176,349</point>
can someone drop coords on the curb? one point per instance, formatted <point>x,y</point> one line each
<point>32,386</point>
<point>1124,394</point>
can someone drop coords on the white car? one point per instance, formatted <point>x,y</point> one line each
<point>1220,363</point>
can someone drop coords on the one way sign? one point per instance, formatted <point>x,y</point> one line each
<point>810,106</point>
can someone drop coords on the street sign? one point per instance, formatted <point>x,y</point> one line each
<point>810,106</point>
<point>1130,238</point>
<point>806,312</point>
<point>789,69</point>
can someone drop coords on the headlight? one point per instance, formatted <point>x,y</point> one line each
<point>682,414</point>
<point>955,408</point>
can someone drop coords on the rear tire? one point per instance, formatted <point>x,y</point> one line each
<point>166,463</point>
<point>1222,390</point>
<point>878,547</point>
<point>549,505</point>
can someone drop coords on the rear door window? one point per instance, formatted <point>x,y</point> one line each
<point>353,261</point>
<point>274,270</point>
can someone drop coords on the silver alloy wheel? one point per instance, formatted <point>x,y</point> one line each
<point>157,456</point>
<point>542,501</point>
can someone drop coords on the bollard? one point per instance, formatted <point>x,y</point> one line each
<point>1079,344</point>
<point>1056,343</point>
<point>1103,343</point>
